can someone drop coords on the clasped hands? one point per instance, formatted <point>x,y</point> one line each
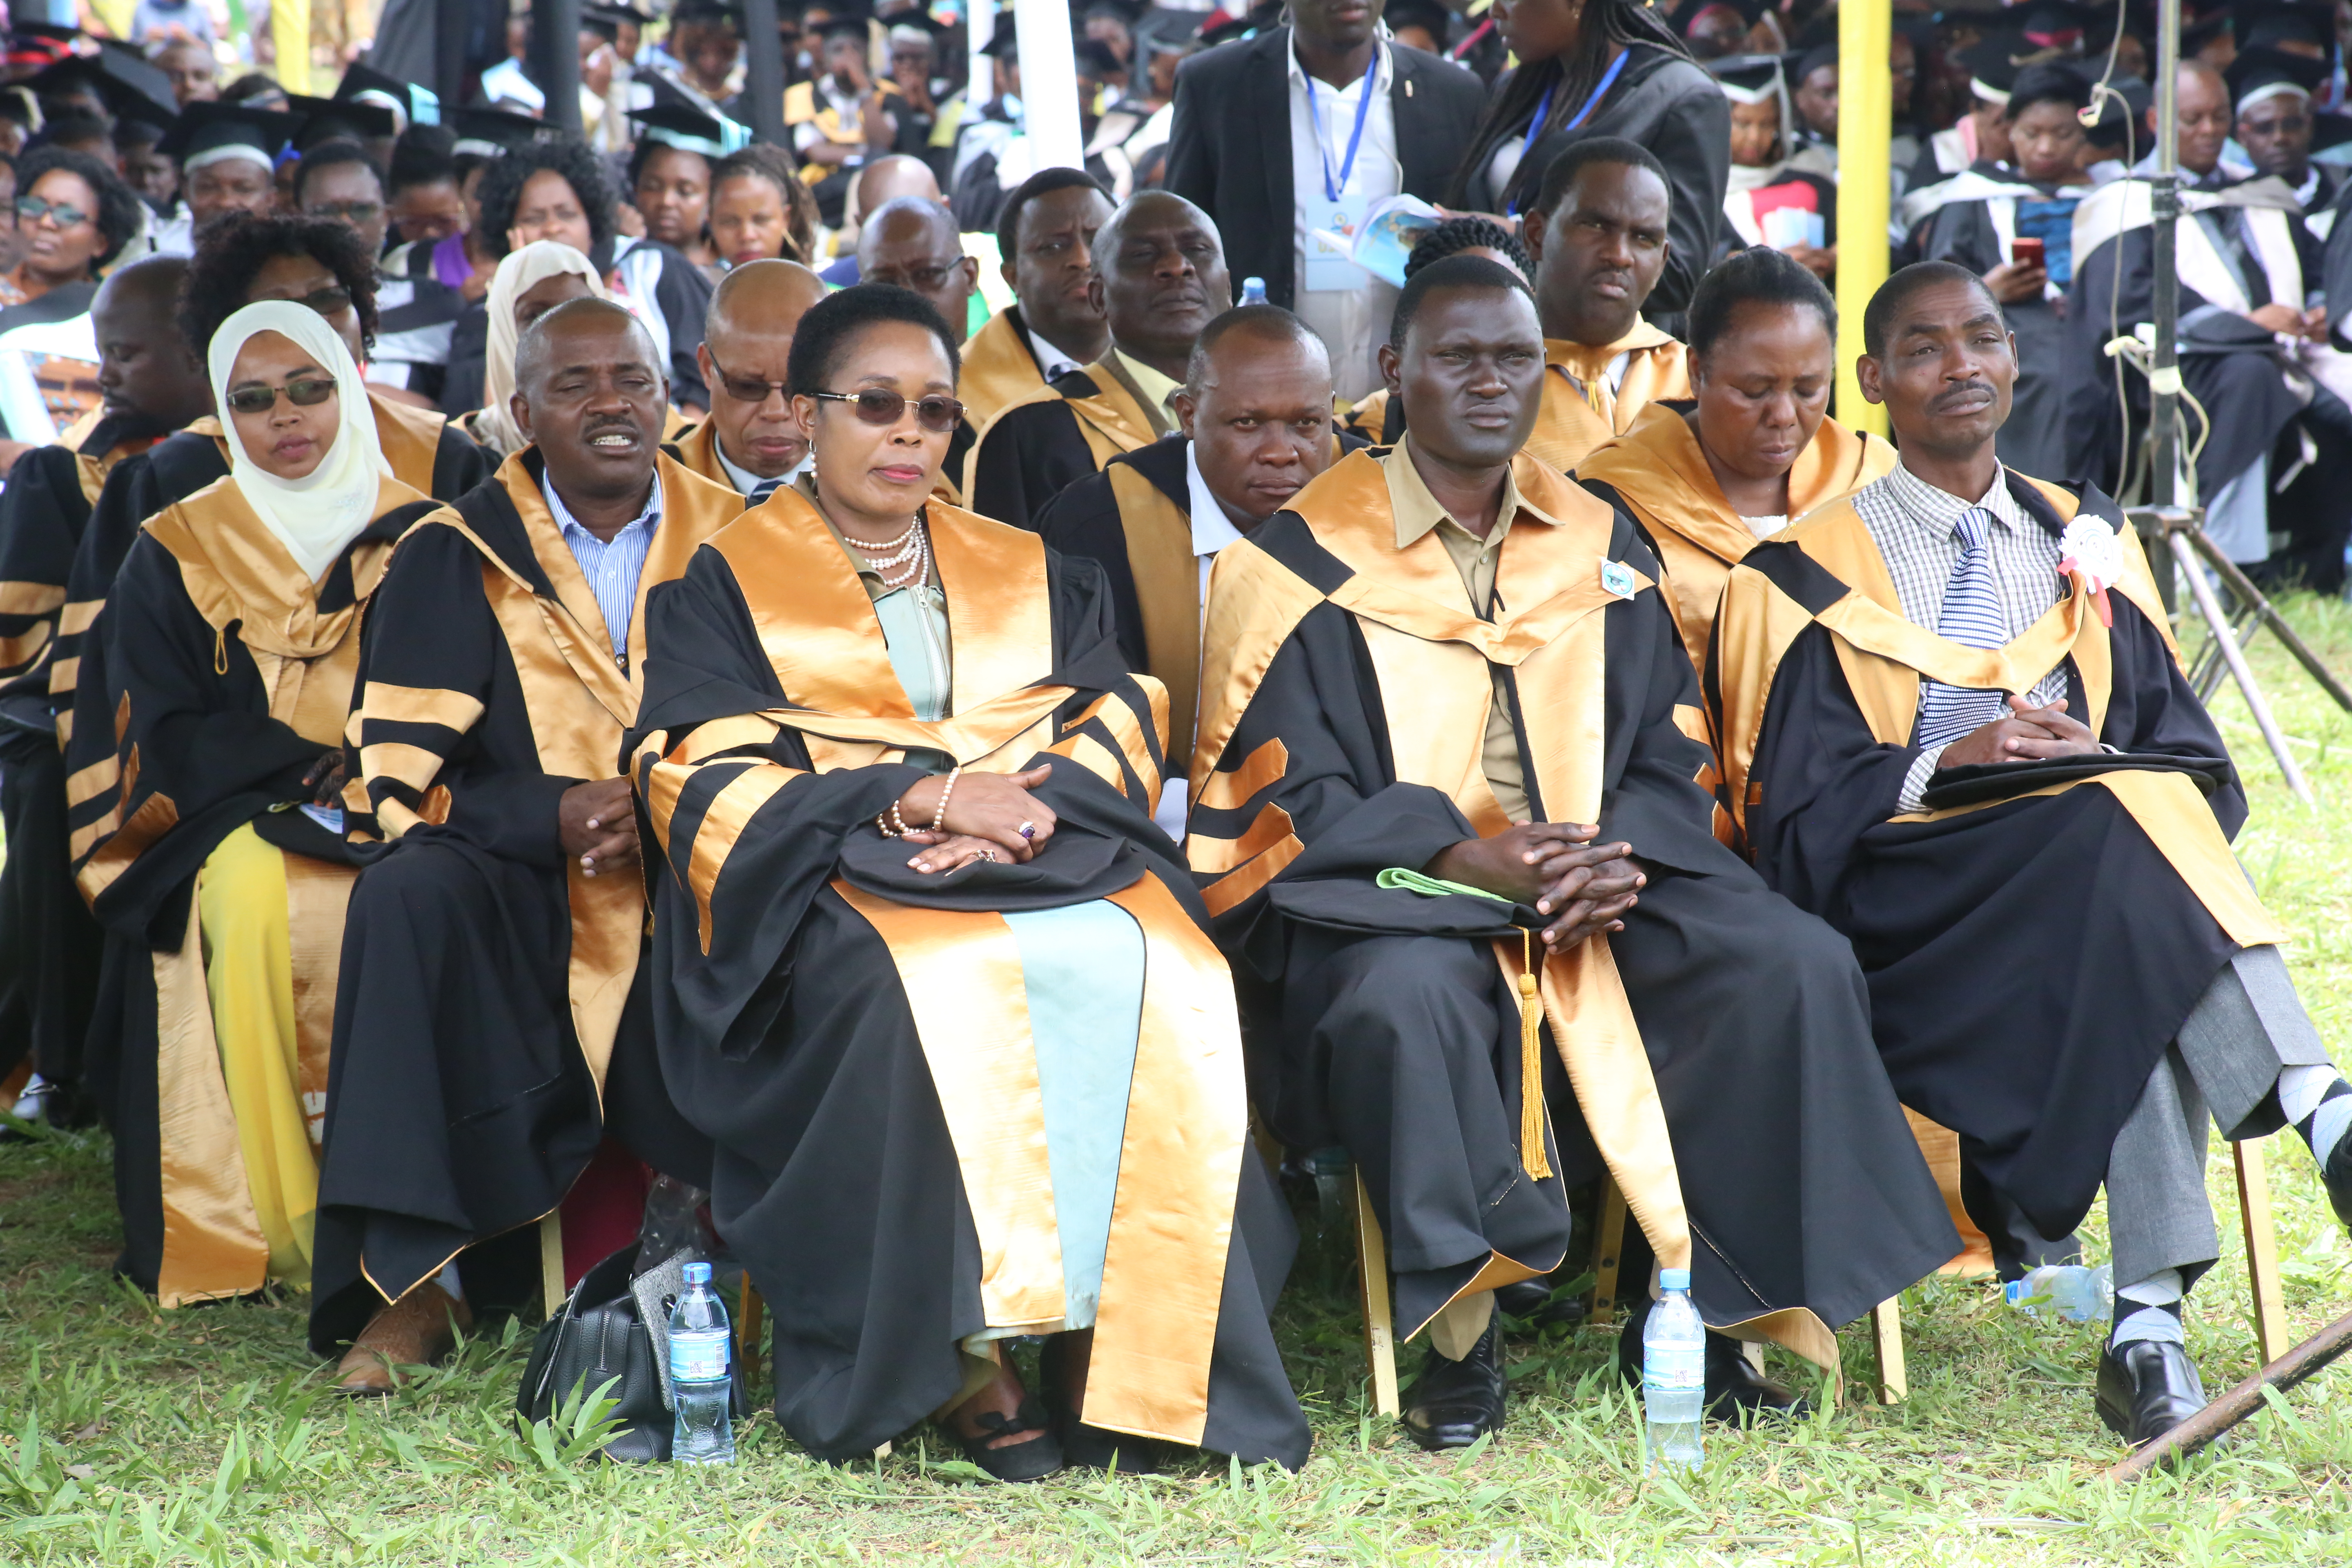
<point>2026,734</point>
<point>1557,868</point>
<point>985,814</point>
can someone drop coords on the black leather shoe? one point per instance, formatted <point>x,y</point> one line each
<point>1737,1391</point>
<point>1732,1386</point>
<point>1453,1403</point>
<point>1530,1302</point>
<point>2147,1388</point>
<point>2338,1175</point>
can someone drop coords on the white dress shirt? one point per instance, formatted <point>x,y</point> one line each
<point>1051,360</point>
<point>745,481</point>
<point>1211,532</point>
<point>1352,321</point>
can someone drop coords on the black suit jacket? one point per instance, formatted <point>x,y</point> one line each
<point>1229,149</point>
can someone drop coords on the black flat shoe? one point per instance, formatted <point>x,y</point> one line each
<point>1092,1447</point>
<point>1030,1461</point>
<point>2147,1388</point>
<point>1452,1403</point>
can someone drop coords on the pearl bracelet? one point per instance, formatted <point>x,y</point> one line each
<point>940,818</point>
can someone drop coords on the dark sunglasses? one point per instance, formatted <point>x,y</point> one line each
<point>938,414</point>
<point>744,388</point>
<point>306,392</point>
<point>33,209</point>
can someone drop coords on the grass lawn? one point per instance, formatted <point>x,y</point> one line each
<point>133,1436</point>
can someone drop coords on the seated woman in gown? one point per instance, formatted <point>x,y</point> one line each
<point>928,976</point>
<point>211,701</point>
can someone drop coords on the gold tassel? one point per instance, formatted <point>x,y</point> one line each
<point>1531,1100</point>
<point>220,650</point>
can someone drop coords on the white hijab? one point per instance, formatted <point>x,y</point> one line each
<point>535,263</point>
<point>316,516</point>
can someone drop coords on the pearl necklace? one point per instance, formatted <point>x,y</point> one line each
<point>911,549</point>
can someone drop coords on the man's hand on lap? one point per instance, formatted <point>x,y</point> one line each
<point>1554,866</point>
<point>598,824</point>
<point>2027,734</point>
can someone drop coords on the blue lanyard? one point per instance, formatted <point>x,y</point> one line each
<point>1543,113</point>
<point>1332,187</point>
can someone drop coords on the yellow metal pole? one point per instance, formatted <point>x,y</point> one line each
<point>1865,122</point>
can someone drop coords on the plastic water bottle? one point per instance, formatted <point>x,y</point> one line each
<point>701,1381</point>
<point>1673,1377</point>
<point>2077,1294</point>
<point>1252,291</point>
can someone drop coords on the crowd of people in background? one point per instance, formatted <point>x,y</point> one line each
<point>535,662</point>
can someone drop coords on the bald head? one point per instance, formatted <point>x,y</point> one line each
<point>1160,278</point>
<point>891,178</point>
<point>577,333</point>
<point>913,243</point>
<point>760,294</point>
<point>590,394</point>
<point>144,364</point>
<point>747,346</point>
<point>2201,102</point>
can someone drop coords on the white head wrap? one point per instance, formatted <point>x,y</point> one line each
<point>534,263</point>
<point>316,516</point>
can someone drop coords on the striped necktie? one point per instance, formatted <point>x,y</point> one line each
<point>1971,616</point>
<point>762,491</point>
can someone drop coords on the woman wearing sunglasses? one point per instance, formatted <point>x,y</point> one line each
<point>73,215</point>
<point>204,803</point>
<point>902,787</point>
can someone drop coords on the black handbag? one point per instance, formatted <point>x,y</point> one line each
<point>600,1336</point>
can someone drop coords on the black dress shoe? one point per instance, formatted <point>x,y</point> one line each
<point>2336,1174</point>
<point>2147,1388</point>
<point>1736,1390</point>
<point>1732,1386</point>
<point>1531,1302</point>
<point>1452,1403</point>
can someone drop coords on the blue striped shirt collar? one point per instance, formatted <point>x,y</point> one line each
<point>612,566</point>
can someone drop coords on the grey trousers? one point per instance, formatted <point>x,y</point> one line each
<point>2219,1070</point>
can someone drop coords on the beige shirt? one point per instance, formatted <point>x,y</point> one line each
<point>1477,560</point>
<point>1151,388</point>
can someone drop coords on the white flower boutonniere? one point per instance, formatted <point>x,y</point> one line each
<point>2091,550</point>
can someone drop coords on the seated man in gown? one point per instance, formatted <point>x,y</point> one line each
<point>1444,800</point>
<point>492,1027</point>
<point>936,987</point>
<point>2066,966</point>
<point>211,702</point>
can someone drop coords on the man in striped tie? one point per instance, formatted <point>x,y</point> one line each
<point>1953,724</point>
<point>751,443</point>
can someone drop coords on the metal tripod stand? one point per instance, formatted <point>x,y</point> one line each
<point>2178,532</point>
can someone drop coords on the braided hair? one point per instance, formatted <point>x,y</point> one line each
<point>1566,81</point>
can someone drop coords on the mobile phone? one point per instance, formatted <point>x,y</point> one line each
<point>2026,253</point>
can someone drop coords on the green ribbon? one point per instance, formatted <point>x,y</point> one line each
<point>1433,886</point>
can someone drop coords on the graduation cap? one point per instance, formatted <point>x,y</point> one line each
<point>677,123</point>
<point>618,16</point>
<point>1429,15</point>
<point>1991,65</point>
<point>343,120</point>
<point>117,76</point>
<point>410,104</point>
<point>2260,72</point>
<point>914,22</point>
<point>1751,78</point>
<point>217,132</point>
<point>1803,66</point>
<point>1096,59</point>
<point>2288,27</point>
<point>2057,24</point>
<point>706,11</point>
<point>492,132</point>
<point>1174,31</point>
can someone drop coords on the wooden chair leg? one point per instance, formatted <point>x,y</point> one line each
<point>1379,1325</point>
<point>2262,1252</point>
<point>1886,1339</point>
<point>750,1310</point>
<point>550,1262</point>
<point>1607,1249</point>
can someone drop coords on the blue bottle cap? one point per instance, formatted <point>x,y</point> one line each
<point>697,1274</point>
<point>1668,1278</point>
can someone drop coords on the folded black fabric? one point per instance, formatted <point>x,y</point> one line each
<point>1974,784</point>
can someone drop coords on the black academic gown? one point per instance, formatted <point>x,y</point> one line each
<point>425,454</point>
<point>1962,231</point>
<point>2029,961</point>
<point>492,1023</point>
<point>50,946</point>
<point>787,1030</point>
<point>1387,1022</point>
<point>1042,446</point>
<point>179,741</point>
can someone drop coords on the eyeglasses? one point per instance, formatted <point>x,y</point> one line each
<point>306,392</point>
<point>745,388</point>
<point>346,212</point>
<point>937,414</point>
<point>929,279</point>
<point>33,209</point>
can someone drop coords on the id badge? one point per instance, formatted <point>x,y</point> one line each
<point>1327,269</point>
